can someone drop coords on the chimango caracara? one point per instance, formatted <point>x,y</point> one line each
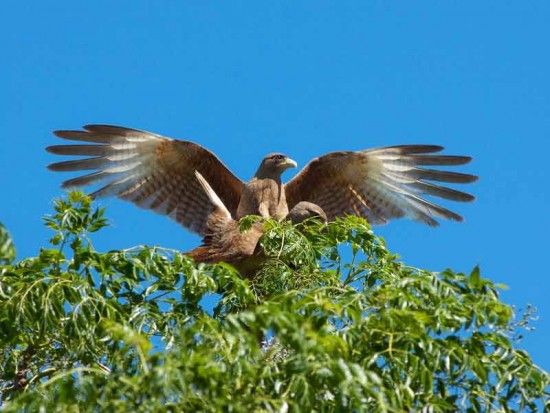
<point>159,173</point>
<point>225,242</point>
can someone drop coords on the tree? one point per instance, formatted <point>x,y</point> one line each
<point>7,249</point>
<point>131,330</point>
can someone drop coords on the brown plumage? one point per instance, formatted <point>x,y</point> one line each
<point>149,170</point>
<point>381,184</point>
<point>264,195</point>
<point>158,173</point>
<point>304,210</point>
<point>225,242</point>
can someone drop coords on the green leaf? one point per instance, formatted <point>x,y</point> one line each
<point>332,321</point>
<point>475,277</point>
<point>7,249</point>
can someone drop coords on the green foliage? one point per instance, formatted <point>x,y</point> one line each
<point>7,249</point>
<point>131,330</point>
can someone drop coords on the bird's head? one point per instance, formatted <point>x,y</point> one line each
<point>274,164</point>
<point>305,210</point>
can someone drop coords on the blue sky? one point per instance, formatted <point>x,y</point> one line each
<point>303,78</point>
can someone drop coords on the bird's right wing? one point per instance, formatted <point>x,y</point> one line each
<point>152,171</point>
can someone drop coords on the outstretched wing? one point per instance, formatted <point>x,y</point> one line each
<point>152,171</point>
<point>381,184</point>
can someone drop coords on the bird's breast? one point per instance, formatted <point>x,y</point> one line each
<point>264,197</point>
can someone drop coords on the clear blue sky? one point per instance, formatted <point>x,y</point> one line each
<point>303,78</point>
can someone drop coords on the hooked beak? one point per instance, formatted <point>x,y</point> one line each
<point>289,163</point>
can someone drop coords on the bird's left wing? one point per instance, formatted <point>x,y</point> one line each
<point>150,170</point>
<point>381,184</point>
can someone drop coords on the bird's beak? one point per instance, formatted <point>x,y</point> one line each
<point>289,163</point>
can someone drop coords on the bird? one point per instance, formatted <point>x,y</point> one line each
<point>305,210</point>
<point>159,173</point>
<point>226,242</point>
<point>223,240</point>
<point>264,195</point>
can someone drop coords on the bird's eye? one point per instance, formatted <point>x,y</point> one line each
<point>279,157</point>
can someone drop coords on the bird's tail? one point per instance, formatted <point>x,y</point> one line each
<point>202,253</point>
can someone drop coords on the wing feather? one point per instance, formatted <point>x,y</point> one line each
<point>381,184</point>
<point>152,171</point>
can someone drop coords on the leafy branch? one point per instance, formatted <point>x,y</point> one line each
<point>347,327</point>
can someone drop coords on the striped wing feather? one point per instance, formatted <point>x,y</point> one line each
<point>152,171</point>
<point>381,184</point>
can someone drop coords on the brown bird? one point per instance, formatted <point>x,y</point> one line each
<point>225,242</point>
<point>264,195</point>
<point>304,210</point>
<point>158,173</point>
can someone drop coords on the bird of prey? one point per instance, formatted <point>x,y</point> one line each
<point>224,241</point>
<point>159,173</point>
